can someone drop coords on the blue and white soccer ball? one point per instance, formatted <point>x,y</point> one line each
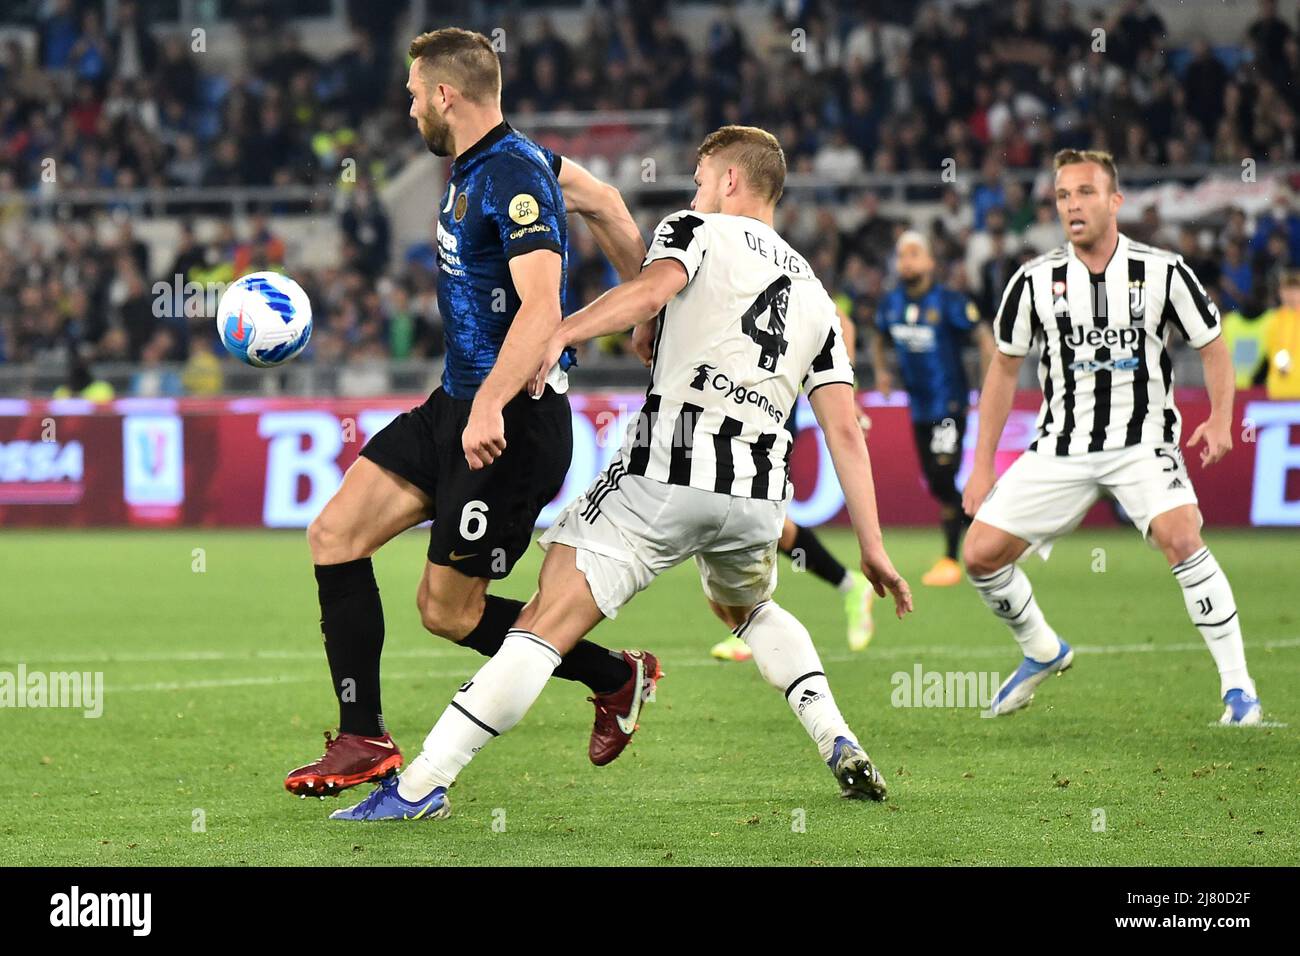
<point>264,319</point>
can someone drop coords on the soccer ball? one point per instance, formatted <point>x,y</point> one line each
<point>264,319</point>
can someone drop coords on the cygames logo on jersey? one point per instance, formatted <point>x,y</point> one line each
<point>708,376</point>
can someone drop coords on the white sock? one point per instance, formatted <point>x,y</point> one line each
<point>486,706</point>
<point>786,658</point>
<point>1213,610</point>
<point>1008,595</point>
<point>846,583</point>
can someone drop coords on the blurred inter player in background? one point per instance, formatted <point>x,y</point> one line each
<point>929,325</point>
<point>480,456</point>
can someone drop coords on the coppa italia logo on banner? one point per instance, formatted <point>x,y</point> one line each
<point>275,462</point>
<point>153,460</point>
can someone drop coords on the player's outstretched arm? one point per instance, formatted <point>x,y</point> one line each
<point>996,396</point>
<point>1220,383</point>
<point>878,348</point>
<point>983,333</point>
<point>536,277</point>
<point>837,413</point>
<point>602,208</point>
<point>622,307</point>
<point>848,333</point>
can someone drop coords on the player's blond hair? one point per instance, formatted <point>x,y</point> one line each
<point>1068,157</point>
<point>755,151</point>
<point>460,58</point>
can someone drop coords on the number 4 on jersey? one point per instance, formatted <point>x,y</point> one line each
<point>771,341</point>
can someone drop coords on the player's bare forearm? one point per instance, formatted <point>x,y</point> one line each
<point>837,413</point>
<point>1220,380</point>
<point>620,240</point>
<point>877,346</point>
<point>622,307</point>
<point>852,462</point>
<point>1214,435</point>
<point>849,333</point>
<point>626,305</point>
<point>533,327</point>
<point>536,277</point>
<point>988,348</point>
<point>602,208</point>
<point>996,397</point>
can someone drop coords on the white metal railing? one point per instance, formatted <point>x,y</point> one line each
<point>300,199</point>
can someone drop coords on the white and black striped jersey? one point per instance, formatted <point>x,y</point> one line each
<point>751,326</point>
<point>1105,370</point>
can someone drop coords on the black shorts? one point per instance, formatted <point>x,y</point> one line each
<point>940,443</point>
<point>482,520</point>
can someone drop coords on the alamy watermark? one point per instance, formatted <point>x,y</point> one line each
<point>76,689</point>
<point>922,688</point>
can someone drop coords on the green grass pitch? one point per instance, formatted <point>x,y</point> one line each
<point>216,684</point>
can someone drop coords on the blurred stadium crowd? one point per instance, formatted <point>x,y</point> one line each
<point>995,87</point>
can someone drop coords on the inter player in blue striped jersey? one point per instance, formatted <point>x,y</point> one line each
<point>929,326</point>
<point>480,456</point>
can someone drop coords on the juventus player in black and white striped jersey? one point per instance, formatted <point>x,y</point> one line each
<point>1101,309</point>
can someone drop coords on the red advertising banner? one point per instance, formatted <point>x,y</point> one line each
<point>243,462</point>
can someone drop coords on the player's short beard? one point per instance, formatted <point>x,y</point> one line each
<point>436,133</point>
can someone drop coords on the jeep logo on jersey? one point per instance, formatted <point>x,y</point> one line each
<point>1110,337</point>
<point>707,375</point>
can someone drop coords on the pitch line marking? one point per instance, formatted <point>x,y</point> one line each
<point>886,653</point>
<point>912,653</point>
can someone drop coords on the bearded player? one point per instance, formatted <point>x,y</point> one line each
<point>929,326</point>
<point>480,456</point>
<point>699,475</point>
<point>1101,308</point>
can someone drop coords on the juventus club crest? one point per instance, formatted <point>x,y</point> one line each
<point>1137,300</point>
<point>1060,304</point>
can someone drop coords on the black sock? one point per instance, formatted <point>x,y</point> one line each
<point>352,621</point>
<point>816,558</point>
<point>489,633</point>
<point>951,535</point>
<point>954,521</point>
<point>588,663</point>
<point>598,667</point>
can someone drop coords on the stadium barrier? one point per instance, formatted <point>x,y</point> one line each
<point>258,462</point>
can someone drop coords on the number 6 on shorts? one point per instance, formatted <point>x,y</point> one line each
<point>473,520</point>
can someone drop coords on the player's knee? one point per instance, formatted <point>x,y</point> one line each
<point>733,617</point>
<point>1180,543</point>
<point>443,620</point>
<point>328,542</point>
<point>979,557</point>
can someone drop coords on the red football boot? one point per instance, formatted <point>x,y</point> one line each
<point>349,759</point>
<point>617,711</point>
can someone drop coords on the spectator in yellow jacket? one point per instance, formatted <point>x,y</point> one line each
<point>1283,342</point>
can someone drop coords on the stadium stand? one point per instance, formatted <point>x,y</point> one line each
<point>136,167</point>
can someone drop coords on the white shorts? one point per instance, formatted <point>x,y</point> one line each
<point>1041,497</point>
<point>628,529</point>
